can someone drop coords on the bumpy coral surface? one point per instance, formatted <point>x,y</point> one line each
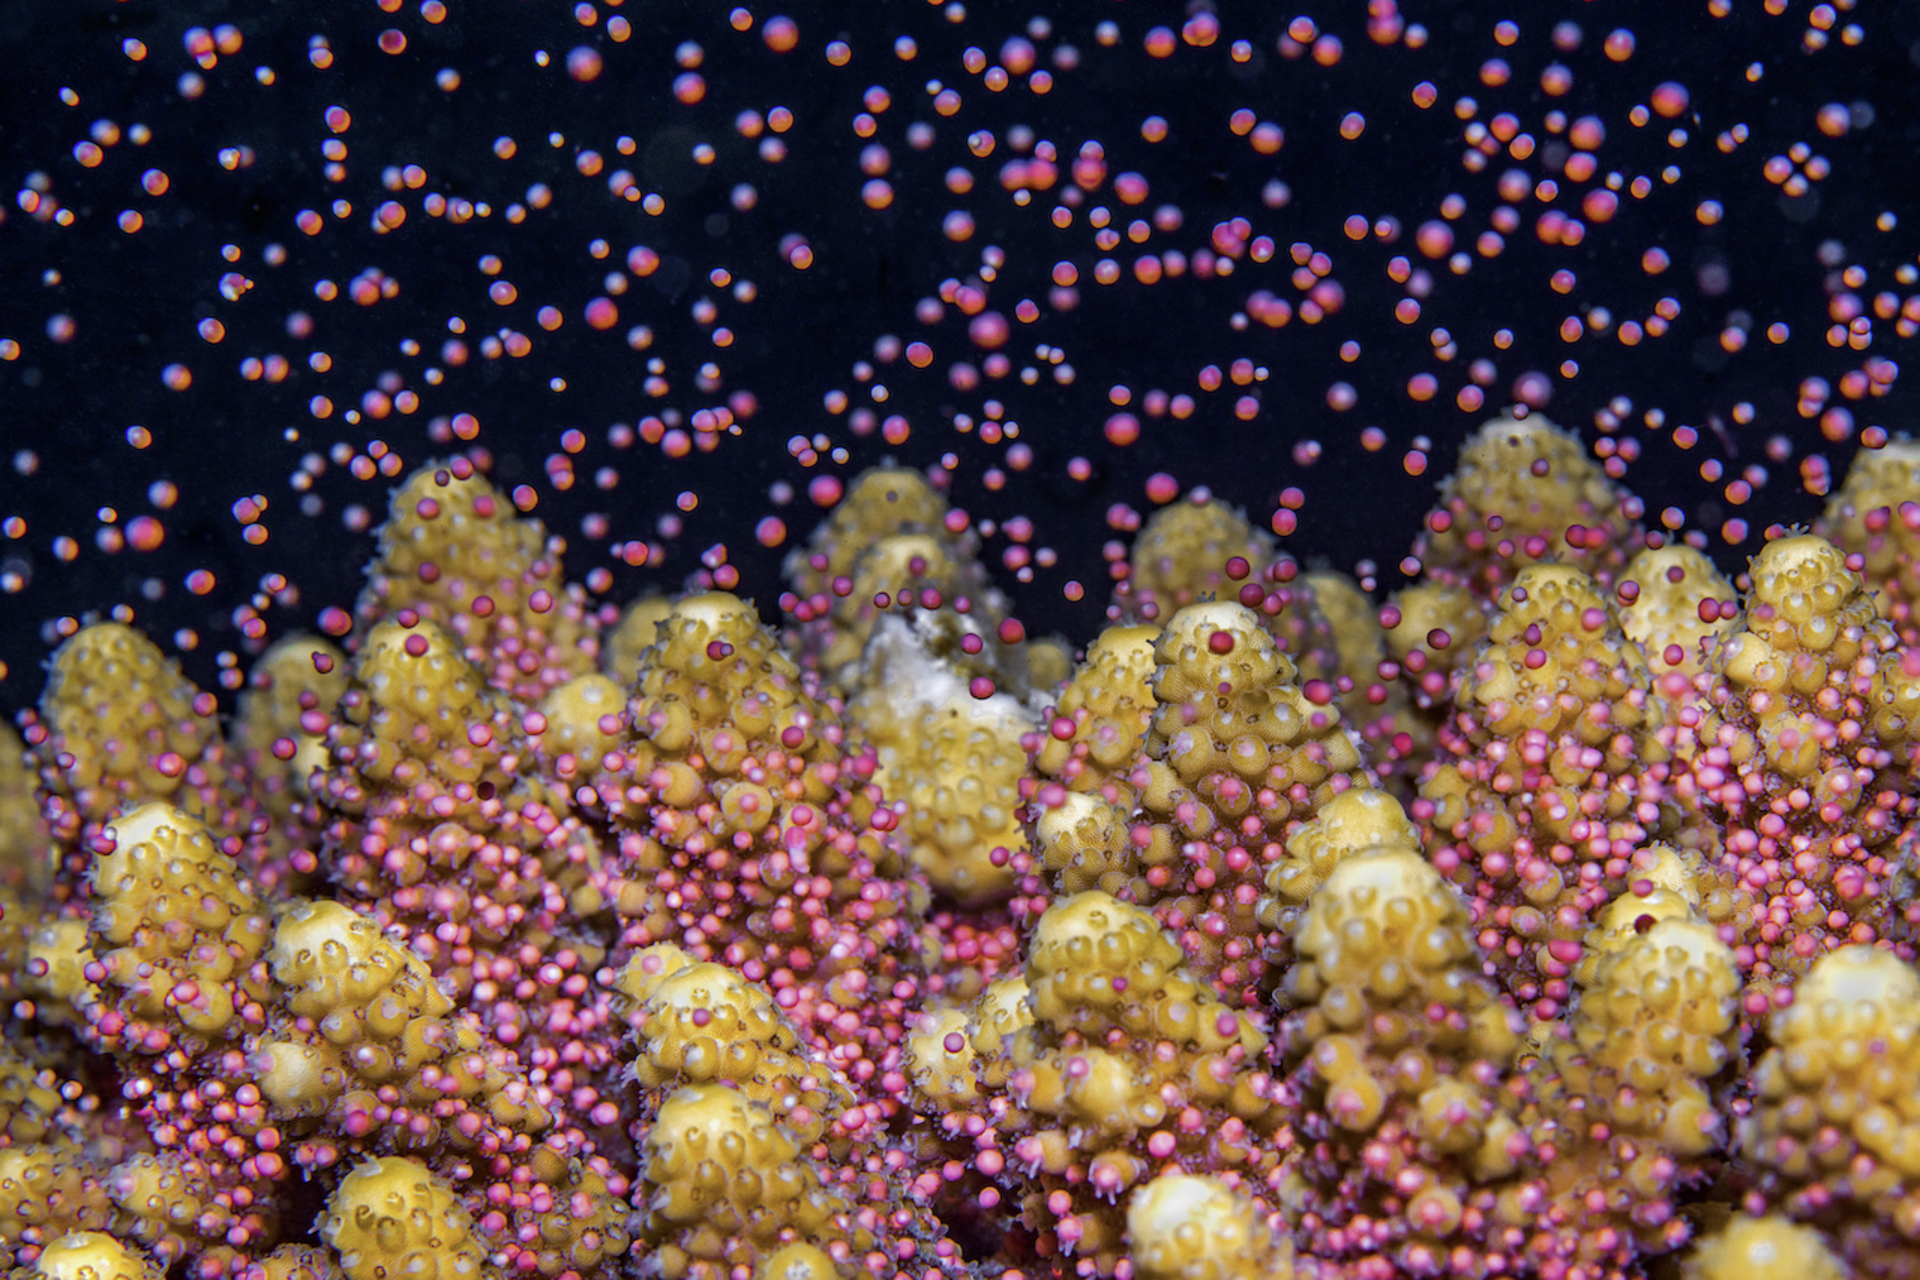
<point>1182,556</point>
<point>749,833</point>
<point>1181,1227</point>
<point>1835,1129</point>
<point>390,1218</point>
<point>1399,1055</point>
<point>1628,1113</point>
<point>633,635</point>
<point>120,724</point>
<point>697,1022</point>
<point>175,930</point>
<point>878,504</point>
<point>1813,764</point>
<point>454,551</point>
<point>892,542</point>
<point>1121,1061</point>
<point>1664,598</point>
<point>1876,515</point>
<point>1538,803</point>
<point>1552,921</point>
<point>1237,756</point>
<point>1524,491</point>
<point>954,759</point>
<point>91,1255</point>
<point>1764,1249</point>
<point>1372,701</point>
<point>23,835</point>
<point>1676,605</point>
<point>280,734</point>
<point>1100,720</point>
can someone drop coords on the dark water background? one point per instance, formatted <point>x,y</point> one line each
<point>135,299</point>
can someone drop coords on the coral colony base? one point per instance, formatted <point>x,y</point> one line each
<point>1556,919</point>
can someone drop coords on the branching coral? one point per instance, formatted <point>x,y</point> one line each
<point>748,831</point>
<point>1663,883</point>
<point>1813,763</point>
<point>816,958</point>
<point>726,1188</point>
<point>1835,1126</point>
<point>91,1255</point>
<point>879,503</point>
<point>1764,1249</point>
<point>176,932</point>
<point>1373,703</point>
<point>376,1012</point>
<point>1876,515</point>
<point>1355,821</point>
<point>1627,1112</point>
<point>119,724</point>
<point>1237,756</point>
<point>391,1218</point>
<point>1664,595</point>
<point>1539,803</point>
<point>373,1056</point>
<point>952,761</point>
<point>1398,1057</point>
<point>1431,630</point>
<point>435,824</point>
<point>699,1023</point>
<point>454,551</point>
<point>46,1193</point>
<point>633,635</point>
<point>280,735</point>
<point>583,724</point>
<point>1676,606</point>
<point>1096,728</point>
<point>1181,557</point>
<point>890,542</point>
<point>27,860</point>
<point>1524,491</point>
<point>1121,1062</point>
<point>1182,1227</point>
<point>26,868</point>
<point>1201,550</point>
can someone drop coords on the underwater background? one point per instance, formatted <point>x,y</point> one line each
<point>679,268</point>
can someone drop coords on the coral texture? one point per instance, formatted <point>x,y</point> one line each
<point>1555,920</point>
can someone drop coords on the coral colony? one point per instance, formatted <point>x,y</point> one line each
<point>1552,920</point>
<point>1548,911</point>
